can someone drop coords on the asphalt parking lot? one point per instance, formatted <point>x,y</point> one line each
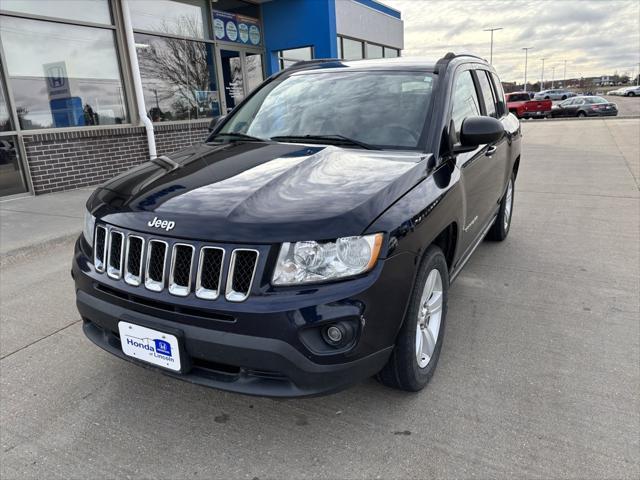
<point>539,375</point>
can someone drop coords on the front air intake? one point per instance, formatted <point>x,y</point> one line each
<point>242,269</point>
<point>114,262</point>
<point>156,261</point>
<point>180,276</point>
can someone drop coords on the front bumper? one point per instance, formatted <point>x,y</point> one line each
<point>258,347</point>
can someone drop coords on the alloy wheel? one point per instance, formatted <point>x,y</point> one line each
<point>429,318</point>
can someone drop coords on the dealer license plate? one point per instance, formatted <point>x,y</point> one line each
<point>150,346</point>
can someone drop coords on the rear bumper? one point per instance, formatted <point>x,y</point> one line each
<point>238,363</point>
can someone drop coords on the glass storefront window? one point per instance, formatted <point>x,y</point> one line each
<point>5,117</point>
<point>170,17</point>
<point>287,58</point>
<point>390,52</point>
<point>11,178</point>
<point>253,70</point>
<point>178,78</point>
<point>374,51</point>
<point>62,75</point>
<point>94,11</point>
<point>351,49</point>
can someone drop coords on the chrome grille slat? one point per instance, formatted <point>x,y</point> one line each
<point>209,277</point>
<point>154,274</point>
<point>182,268</point>
<point>242,270</point>
<point>115,255</point>
<point>133,260</point>
<point>100,248</point>
<point>180,271</point>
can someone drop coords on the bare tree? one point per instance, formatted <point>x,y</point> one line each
<point>182,67</point>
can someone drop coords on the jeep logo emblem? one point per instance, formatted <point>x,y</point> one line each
<point>165,224</point>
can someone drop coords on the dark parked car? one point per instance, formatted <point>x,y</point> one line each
<point>585,107</point>
<point>310,242</point>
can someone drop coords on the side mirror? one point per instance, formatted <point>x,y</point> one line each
<point>478,131</point>
<point>215,121</point>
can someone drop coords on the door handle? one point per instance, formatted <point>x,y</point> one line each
<point>491,150</point>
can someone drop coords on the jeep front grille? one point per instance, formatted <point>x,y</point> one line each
<point>183,268</point>
<point>241,271</point>
<point>180,277</point>
<point>209,273</point>
<point>100,248</point>
<point>156,260</point>
<point>114,263</point>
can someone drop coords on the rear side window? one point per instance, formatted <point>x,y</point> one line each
<point>465,101</point>
<point>487,93</point>
<point>502,107</point>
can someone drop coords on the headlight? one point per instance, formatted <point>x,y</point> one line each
<point>89,225</point>
<point>310,262</point>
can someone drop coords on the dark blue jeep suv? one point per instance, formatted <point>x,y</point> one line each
<point>310,241</point>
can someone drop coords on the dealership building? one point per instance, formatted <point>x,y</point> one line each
<point>91,88</point>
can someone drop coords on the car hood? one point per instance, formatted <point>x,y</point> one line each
<point>252,192</point>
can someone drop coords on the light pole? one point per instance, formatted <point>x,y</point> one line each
<point>553,75</point>
<point>542,76</point>
<point>564,76</point>
<point>526,53</point>
<point>491,30</point>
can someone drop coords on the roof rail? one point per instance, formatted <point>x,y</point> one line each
<point>310,63</point>
<point>442,63</point>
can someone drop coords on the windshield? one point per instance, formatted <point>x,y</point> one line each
<point>382,109</point>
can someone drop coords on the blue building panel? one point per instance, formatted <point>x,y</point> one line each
<point>291,24</point>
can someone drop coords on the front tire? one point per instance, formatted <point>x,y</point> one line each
<point>500,228</point>
<point>417,350</point>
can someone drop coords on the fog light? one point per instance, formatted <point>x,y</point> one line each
<point>334,334</point>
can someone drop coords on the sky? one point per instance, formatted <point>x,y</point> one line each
<point>595,37</point>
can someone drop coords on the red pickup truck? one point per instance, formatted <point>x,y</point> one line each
<point>521,105</point>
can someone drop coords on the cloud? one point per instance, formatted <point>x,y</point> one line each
<point>594,37</point>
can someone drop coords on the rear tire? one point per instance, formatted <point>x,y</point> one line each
<point>417,350</point>
<point>631,94</point>
<point>564,97</point>
<point>582,114</point>
<point>500,228</point>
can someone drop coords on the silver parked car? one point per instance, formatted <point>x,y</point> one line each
<point>554,94</point>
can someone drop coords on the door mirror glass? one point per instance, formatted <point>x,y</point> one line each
<point>480,131</point>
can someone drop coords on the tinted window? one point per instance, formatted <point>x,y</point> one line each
<point>487,93</point>
<point>351,49</point>
<point>5,118</point>
<point>95,11</point>
<point>390,52</point>
<point>499,94</point>
<point>379,108</point>
<point>518,97</point>
<point>170,17</point>
<point>62,75</point>
<point>465,101</point>
<point>596,100</point>
<point>374,51</point>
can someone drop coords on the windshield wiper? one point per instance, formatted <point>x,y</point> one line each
<point>333,139</point>
<point>240,136</point>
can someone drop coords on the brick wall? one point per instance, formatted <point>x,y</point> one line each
<point>67,160</point>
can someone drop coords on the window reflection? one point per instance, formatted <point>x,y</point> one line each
<point>11,178</point>
<point>72,81</point>
<point>178,78</point>
<point>95,11</point>
<point>5,118</point>
<point>169,17</point>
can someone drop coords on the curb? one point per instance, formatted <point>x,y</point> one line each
<point>11,256</point>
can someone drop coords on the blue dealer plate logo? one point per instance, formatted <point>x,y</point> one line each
<point>162,347</point>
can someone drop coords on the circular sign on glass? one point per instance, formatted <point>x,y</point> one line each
<point>254,34</point>
<point>218,28</point>
<point>232,31</point>
<point>243,30</point>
